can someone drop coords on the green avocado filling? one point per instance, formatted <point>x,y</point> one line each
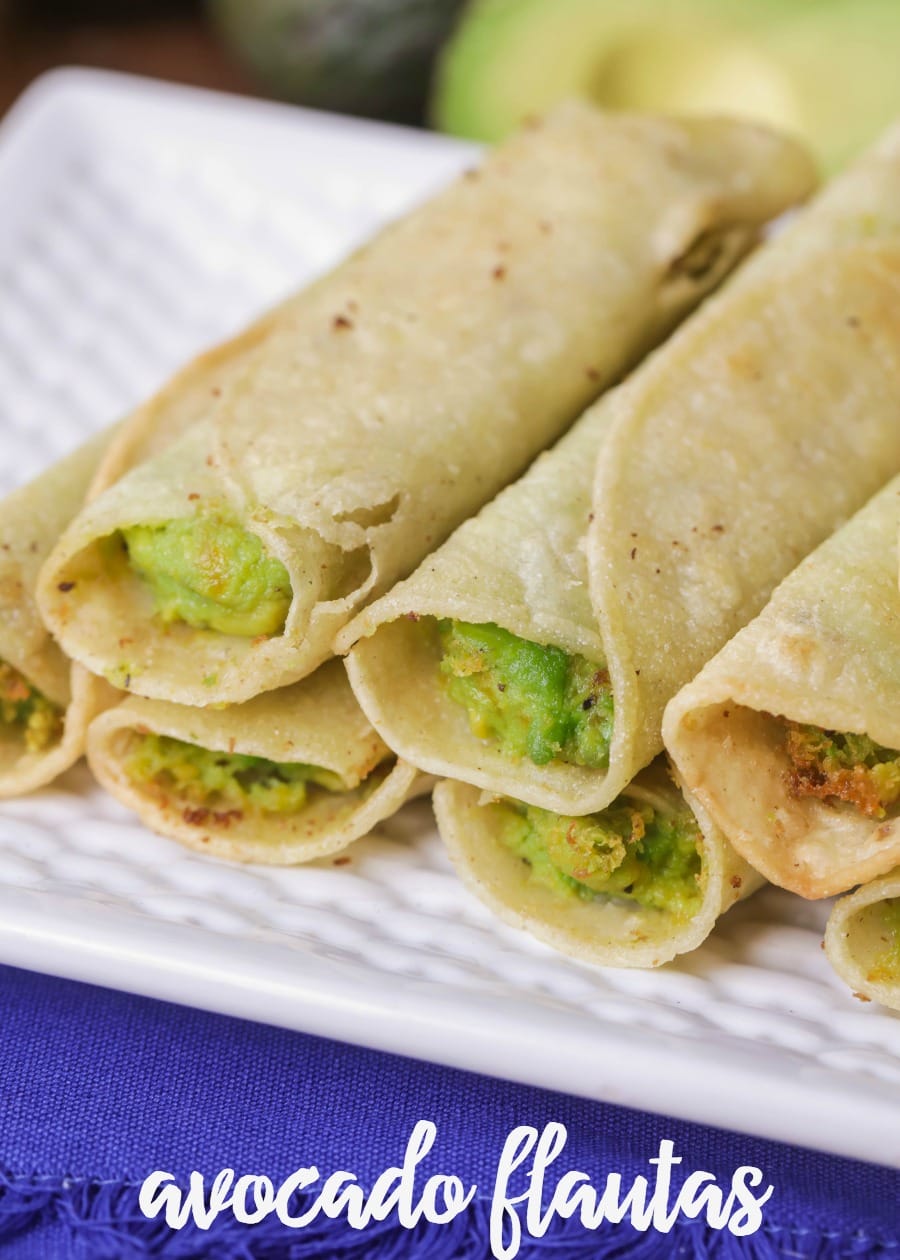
<point>211,573</point>
<point>887,964</point>
<point>840,766</point>
<point>23,707</point>
<point>530,700</point>
<point>225,784</point>
<point>628,850</point>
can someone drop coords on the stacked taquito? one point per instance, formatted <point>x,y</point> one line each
<point>736,449</point>
<point>862,940</point>
<point>395,396</point>
<point>45,703</point>
<point>289,776</point>
<point>292,775</point>
<point>487,665</point>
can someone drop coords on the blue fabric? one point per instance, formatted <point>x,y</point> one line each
<point>98,1089</point>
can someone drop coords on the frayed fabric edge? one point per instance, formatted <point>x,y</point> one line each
<point>101,1220</point>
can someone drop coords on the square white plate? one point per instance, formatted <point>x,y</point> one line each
<point>138,223</point>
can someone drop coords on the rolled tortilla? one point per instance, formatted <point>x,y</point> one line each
<point>824,653</point>
<point>258,816</point>
<point>609,930</point>
<point>862,940</point>
<point>45,705</point>
<point>764,422</point>
<point>519,565</point>
<point>401,392</point>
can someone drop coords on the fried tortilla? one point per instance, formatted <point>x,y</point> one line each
<point>292,775</point>
<point>45,704</point>
<point>790,736</point>
<point>633,885</point>
<point>862,940</point>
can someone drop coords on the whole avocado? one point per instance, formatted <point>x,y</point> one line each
<point>367,57</point>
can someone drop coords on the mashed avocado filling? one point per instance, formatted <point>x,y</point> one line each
<point>531,701</point>
<point>835,765</point>
<point>212,573</point>
<point>23,707</point>
<point>886,967</point>
<point>628,850</point>
<point>225,784</point>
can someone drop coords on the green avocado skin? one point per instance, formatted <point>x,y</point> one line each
<point>225,781</point>
<point>529,700</point>
<point>211,573</point>
<point>627,850</point>
<point>368,57</point>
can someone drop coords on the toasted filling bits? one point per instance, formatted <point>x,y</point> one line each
<point>837,766</point>
<point>24,708</point>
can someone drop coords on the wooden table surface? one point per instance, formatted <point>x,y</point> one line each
<point>173,43</point>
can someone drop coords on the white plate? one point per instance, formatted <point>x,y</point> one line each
<point>139,222</point>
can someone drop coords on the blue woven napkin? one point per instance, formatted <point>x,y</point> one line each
<point>99,1089</point>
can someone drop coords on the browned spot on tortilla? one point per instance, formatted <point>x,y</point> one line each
<point>223,818</point>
